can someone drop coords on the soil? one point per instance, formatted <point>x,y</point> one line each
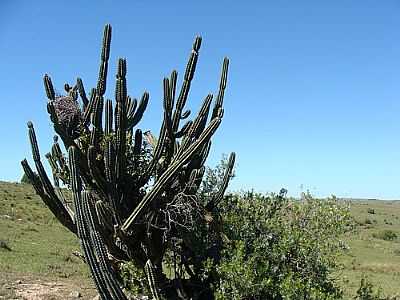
<point>28,287</point>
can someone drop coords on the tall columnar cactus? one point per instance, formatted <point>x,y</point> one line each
<point>135,196</point>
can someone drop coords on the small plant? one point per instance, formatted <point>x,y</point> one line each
<point>387,222</point>
<point>371,211</point>
<point>4,245</point>
<point>387,235</point>
<point>368,221</point>
<point>367,291</point>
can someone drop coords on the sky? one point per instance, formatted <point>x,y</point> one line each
<point>313,95</point>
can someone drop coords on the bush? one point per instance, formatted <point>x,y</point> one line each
<point>280,248</point>
<point>367,291</point>
<point>387,235</point>
<point>134,278</point>
<point>25,179</point>
<point>371,211</point>
<point>368,221</point>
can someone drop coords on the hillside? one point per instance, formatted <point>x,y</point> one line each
<point>374,248</point>
<point>36,250</point>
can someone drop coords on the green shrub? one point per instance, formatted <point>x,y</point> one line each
<point>368,221</point>
<point>371,211</point>
<point>387,235</point>
<point>387,222</point>
<point>134,278</point>
<point>280,248</point>
<point>367,291</point>
<point>25,179</point>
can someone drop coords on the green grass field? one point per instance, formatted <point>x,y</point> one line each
<point>369,254</point>
<point>42,249</point>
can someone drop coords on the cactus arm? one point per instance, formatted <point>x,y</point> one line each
<point>58,158</point>
<point>130,109</point>
<point>97,117</point>
<point>198,125</point>
<point>184,130</point>
<point>105,54</point>
<point>83,230</point>
<point>95,172</point>
<point>54,168</point>
<point>109,169</point>
<point>33,178</point>
<point>170,173</point>
<point>138,142</point>
<point>120,121</point>
<point>197,162</point>
<point>109,162</point>
<point>82,92</point>
<point>134,118</point>
<point>187,80</point>
<point>222,85</point>
<point>67,140</point>
<point>201,120</point>
<point>219,195</point>
<point>35,181</point>
<point>190,187</point>
<point>172,87</point>
<point>152,279</point>
<point>89,108</point>
<point>156,154</point>
<point>52,200</point>
<point>168,109</point>
<point>185,114</point>
<point>101,251</point>
<point>48,85</point>
<point>91,241</point>
<point>108,118</point>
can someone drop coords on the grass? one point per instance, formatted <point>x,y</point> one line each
<point>39,247</point>
<point>42,248</point>
<point>371,253</point>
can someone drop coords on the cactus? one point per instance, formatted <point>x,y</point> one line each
<point>134,195</point>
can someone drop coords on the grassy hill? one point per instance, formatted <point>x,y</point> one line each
<point>40,248</point>
<point>33,245</point>
<point>374,248</point>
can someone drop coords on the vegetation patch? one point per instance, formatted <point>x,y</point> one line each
<point>387,235</point>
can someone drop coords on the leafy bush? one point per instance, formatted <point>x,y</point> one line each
<point>277,248</point>
<point>134,278</point>
<point>371,211</point>
<point>387,235</point>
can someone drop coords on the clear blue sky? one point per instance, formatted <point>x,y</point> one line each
<point>314,87</point>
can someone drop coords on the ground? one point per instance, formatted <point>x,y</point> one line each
<point>37,260</point>
<point>36,287</point>
<point>36,252</point>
